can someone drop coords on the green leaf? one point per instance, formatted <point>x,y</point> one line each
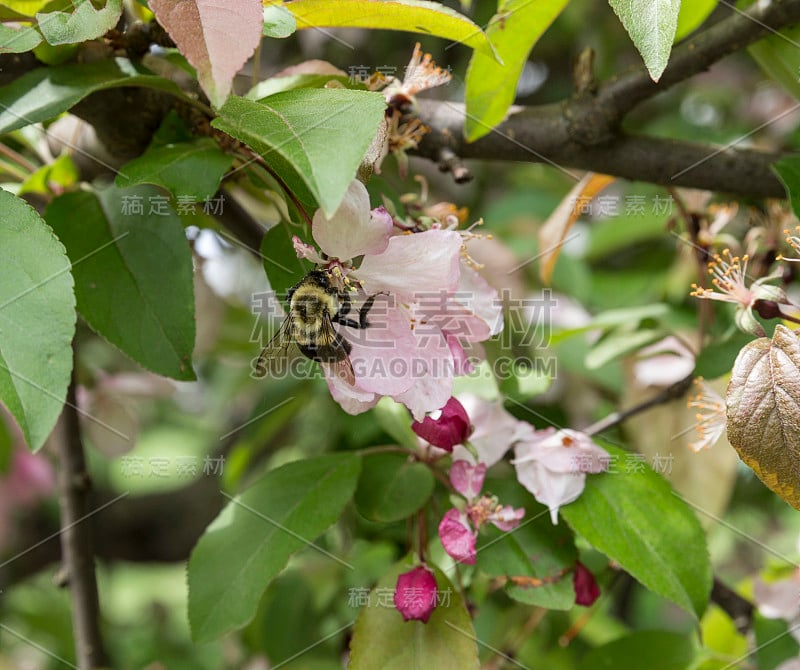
<point>651,649</point>
<point>189,169</point>
<point>251,540</point>
<point>381,639</point>
<point>620,342</point>
<point>133,273</point>
<point>273,85</point>
<point>61,174</point>
<point>284,269</point>
<point>83,24</point>
<point>716,359</point>
<point>18,40</point>
<point>394,419</point>
<point>691,15</point>
<point>537,557</point>
<point>774,643</point>
<point>788,171</point>
<point>415,16</point>
<point>297,132</point>
<point>278,22</point>
<point>651,25</point>
<point>636,519</point>
<point>37,320</point>
<point>490,85</point>
<point>392,487</point>
<point>46,92</point>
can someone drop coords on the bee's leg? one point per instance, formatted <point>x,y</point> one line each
<point>364,311</point>
<point>341,316</point>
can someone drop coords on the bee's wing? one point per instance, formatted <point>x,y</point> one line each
<point>342,369</point>
<point>274,354</point>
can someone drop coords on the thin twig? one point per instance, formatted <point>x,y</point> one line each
<point>76,541</point>
<point>677,390</point>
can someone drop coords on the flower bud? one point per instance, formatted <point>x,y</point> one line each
<point>586,588</point>
<point>449,429</point>
<point>415,594</point>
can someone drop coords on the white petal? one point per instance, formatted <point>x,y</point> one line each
<point>415,263</point>
<point>352,230</point>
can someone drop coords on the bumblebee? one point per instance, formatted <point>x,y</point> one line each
<point>314,306</point>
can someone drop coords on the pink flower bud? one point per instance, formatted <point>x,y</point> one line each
<point>467,479</point>
<point>449,429</point>
<point>586,588</point>
<point>415,594</point>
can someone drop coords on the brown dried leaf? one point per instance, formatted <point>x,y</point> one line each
<point>553,232</point>
<point>764,411</point>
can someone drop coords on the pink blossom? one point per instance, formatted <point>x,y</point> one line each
<point>552,465</point>
<point>407,352</point>
<point>586,588</point>
<point>451,427</point>
<point>30,478</point>
<point>458,539</point>
<point>467,479</point>
<point>415,594</point>
<point>456,528</point>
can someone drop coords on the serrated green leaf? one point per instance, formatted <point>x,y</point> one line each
<point>133,273</point>
<point>415,16</point>
<point>381,639</point>
<point>392,488</point>
<point>651,649</point>
<point>278,22</point>
<point>281,264</point>
<point>691,15</point>
<point>297,132</point>
<point>251,540</point>
<point>83,24</point>
<point>637,520</point>
<point>18,40</point>
<point>37,319</point>
<point>651,25</point>
<point>46,92</point>
<point>191,170</point>
<point>490,85</point>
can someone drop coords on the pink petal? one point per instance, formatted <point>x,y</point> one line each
<point>564,451</point>
<point>586,588</point>
<point>461,363</point>
<point>415,263</point>
<point>426,395</point>
<point>549,488</point>
<point>451,427</point>
<point>457,538</point>
<point>384,355</point>
<point>495,430</point>
<point>30,478</point>
<point>507,518</point>
<point>467,479</point>
<point>351,399</point>
<point>481,313</point>
<point>352,230</point>
<point>778,599</point>
<point>306,251</point>
<point>415,594</point>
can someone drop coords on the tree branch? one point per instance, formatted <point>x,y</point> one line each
<point>76,538</point>
<point>544,135</point>
<point>583,132</point>
<point>621,94</point>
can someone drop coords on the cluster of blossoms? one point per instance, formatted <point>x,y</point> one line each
<point>428,304</point>
<point>551,464</point>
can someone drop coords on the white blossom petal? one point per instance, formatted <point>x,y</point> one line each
<point>352,230</point>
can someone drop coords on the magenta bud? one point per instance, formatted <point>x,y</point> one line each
<point>586,588</point>
<point>449,429</point>
<point>415,594</point>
